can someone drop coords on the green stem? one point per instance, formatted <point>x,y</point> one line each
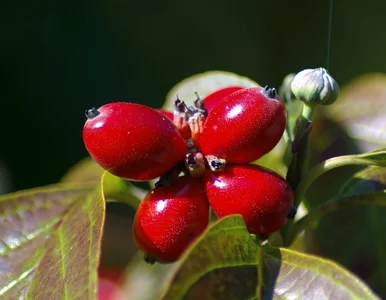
<point>312,175</point>
<point>307,113</point>
<point>288,134</point>
<point>299,164</point>
<point>378,198</point>
<point>323,167</point>
<point>260,266</point>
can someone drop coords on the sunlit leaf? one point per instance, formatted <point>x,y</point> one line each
<point>204,84</point>
<point>294,275</point>
<point>50,242</point>
<point>355,235</point>
<point>221,264</point>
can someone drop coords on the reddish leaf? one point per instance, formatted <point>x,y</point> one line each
<point>50,242</point>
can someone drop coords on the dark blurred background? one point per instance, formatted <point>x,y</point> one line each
<point>58,58</point>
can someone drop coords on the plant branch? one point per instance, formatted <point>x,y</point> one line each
<point>330,164</point>
<point>299,164</point>
<point>300,147</point>
<point>378,199</point>
<point>260,266</point>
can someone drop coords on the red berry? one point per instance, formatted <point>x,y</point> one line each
<point>109,284</point>
<point>170,218</point>
<point>245,126</point>
<point>112,274</point>
<point>133,141</point>
<point>216,97</point>
<point>108,290</point>
<point>166,113</point>
<point>261,196</point>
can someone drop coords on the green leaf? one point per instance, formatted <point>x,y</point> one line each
<point>50,242</point>
<point>221,264</point>
<point>293,275</point>
<point>114,188</point>
<point>274,160</point>
<point>377,158</point>
<point>86,170</point>
<point>204,84</point>
<point>370,180</point>
<point>356,235</point>
<point>361,110</point>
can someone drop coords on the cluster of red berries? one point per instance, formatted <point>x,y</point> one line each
<point>201,154</point>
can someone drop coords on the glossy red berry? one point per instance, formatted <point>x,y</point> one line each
<point>248,124</point>
<point>170,218</point>
<point>216,97</point>
<point>166,113</point>
<point>261,196</point>
<point>133,141</point>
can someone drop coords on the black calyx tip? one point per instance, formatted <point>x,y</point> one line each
<point>149,259</point>
<point>191,159</point>
<point>292,213</point>
<point>216,164</point>
<point>198,103</point>
<point>92,113</point>
<point>270,92</point>
<point>180,106</point>
<point>199,106</point>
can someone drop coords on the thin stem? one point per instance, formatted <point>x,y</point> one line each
<point>298,167</point>
<point>288,134</point>
<point>260,266</point>
<point>378,199</point>
<point>329,34</point>
<point>308,111</point>
<point>323,167</point>
<point>311,176</point>
<point>300,147</point>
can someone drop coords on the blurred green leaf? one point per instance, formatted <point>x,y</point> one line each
<point>118,189</point>
<point>114,188</point>
<point>354,236</point>
<point>144,281</point>
<point>374,158</point>
<point>372,179</point>
<point>274,160</point>
<point>294,275</point>
<point>50,242</point>
<point>221,264</point>
<point>204,84</point>
<point>329,139</point>
<point>86,170</point>
<point>361,110</point>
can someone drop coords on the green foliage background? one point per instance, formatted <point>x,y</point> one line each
<point>58,58</point>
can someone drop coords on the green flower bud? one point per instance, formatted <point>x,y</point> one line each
<point>315,86</point>
<point>285,91</point>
